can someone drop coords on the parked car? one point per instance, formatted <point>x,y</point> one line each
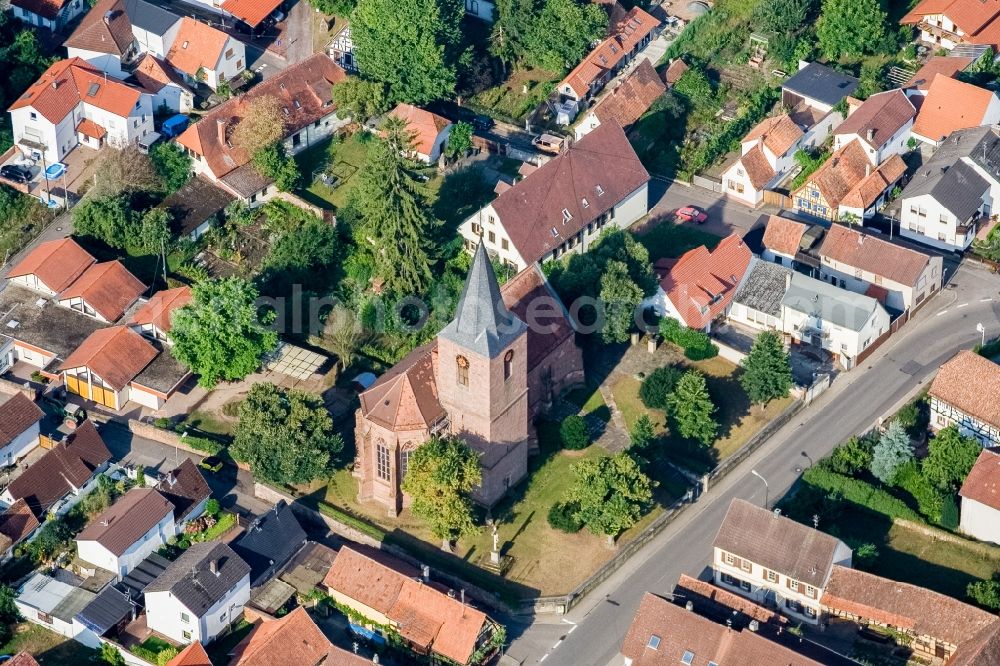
<point>481,122</point>
<point>690,214</point>
<point>212,464</point>
<point>548,143</point>
<point>16,173</point>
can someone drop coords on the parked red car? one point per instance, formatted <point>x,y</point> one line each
<point>690,214</point>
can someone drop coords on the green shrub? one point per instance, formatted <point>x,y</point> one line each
<point>696,344</point>
<point>861,493</point>
<point>986,593</point>
<point>162,422</point>
<point>930,500</point>
<point>573,433</point>
<point>949,513</point>
<point>865,556</point>
<point>351,521</point>
<point>563,517</point>
<point>990,350</point>
<point>203,444</point>
<point>212,507</point>
<point>852,456</point>
<point>658,385</point>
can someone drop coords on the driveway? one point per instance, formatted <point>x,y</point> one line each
<point>725,216</point>
<point>299,32</point>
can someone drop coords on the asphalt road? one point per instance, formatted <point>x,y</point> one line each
<point>592,633</point>
<point>725,216</point>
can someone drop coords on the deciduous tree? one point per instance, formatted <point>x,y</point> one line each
<point>261,126</point>
<point>891,452</point>
<point>151,232</point>
<point>286,436</point>
<point>612,494</point>
<point>561,33</point>
<point>360,99</point>
<point>691,409</point>
<point>782,16</point>
<point>440,477</point>
<point>767,370</point>
<point>171,164</point>
<point>123,172</point>
<point>850,28</point>
<point>409,45</point>
<point>272,162</point>
<point>395,224</point>
<point>105,219</point>
<point>951,458</point>
<point>459,140</point>
<point>219,335</point>
<point>620,296</point>
<point>658,385</point>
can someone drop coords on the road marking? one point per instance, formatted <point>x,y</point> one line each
<point>942,312</point>
<point>985,300</point>
<point>961,305</point>
<point>572,629</point>
<point>569,622</point>
<point>544,657</point>
<point>558,643</point>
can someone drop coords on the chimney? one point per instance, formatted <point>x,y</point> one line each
<point>871,134</point>
<point>171,478</point>
<point>55,84</point>
<point>425,573</point>
<point>788,280</point>
<point>220,128</point>
<point>868,169</point>
<point>213,566</point>
<point>107,17</point>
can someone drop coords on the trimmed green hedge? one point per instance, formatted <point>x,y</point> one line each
<point>696,344</point>
<point>209,446</point>
<point>352,521</point>
<point>861,493</point>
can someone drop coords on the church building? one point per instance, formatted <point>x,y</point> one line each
<point>485,379</point>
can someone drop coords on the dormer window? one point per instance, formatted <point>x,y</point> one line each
<point>185,44</point>
<point>567,216</point>
<point>585,203</point>
<point>600,191</point>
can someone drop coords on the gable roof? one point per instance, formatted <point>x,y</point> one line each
<point>269,542</point>
<point>601,169</point>
<point>17,521</point>
<point>948,66</point>
<point>758,168</point>
<point>882,115</point>
<point>17,414</point>
<point>661,634</point>
<point>840,307</point>
<point>970,383</point>
<point>868,190</point>
<point>154,74</point>
<point>193,655</point>
<point>66,83</point>
<point>251,12</point>
<point>957,187</point>
<point>158,310</point>
<point>632,98</point>
<point>975,18</point>
<point>873,254</point>
<point>116,354</point>
<point>45,8</point>
<point>22,659</point>
<point>982,649</point>
<point>196,46</point>
<point>529,294</point>
<point>908,607</point>
<point>292,639</point>
<point>184,487</point>
<point>482,323</point>
<point>106,28</point>
<point>405,397</point>
<point>951,105</point>
<point>428,618</point>
<point>702,283</point>
<point>190,580</point>
<point>623,37</point>
<point>820,83</point>
<point>783,235</point>
<point>423,125</point>
<point>56,263</point>
<point>149,17</point>
<point>107,287</point>
<point>764,287</point>
<point>126,521</point>
<point>847,177</point>
<point>304,90</point>
<point>778,134</point>
<point>66,466</point>
<point>777,543</point>
<point>983,481</point>
<point>673,73</point>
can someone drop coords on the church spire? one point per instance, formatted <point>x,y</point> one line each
<point>482,322</point>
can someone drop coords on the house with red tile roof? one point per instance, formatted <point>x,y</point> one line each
<point>767,152</point>
<point>966,393</point>
<point>783,239</point>
<point>162,81</point>
<point>104,291</point>
<point>627,37</point>
<point>848,183</point>
<point>304,93</point>
<point>152,319</point>
<point>950,66</point>
<point>428,130</point>
<point>17,523</point>
<point>73,103</point>
<point>563,205</point>
<point>20,420</point>
<point>980,493</point>
<point>952,105</point>
<point>52,266</point>
<point>627,102</point>
<point>428,620</point>
<point>51,14</point>
<point>292,639</point>
<point>881,123</point>
<point>206,55</point>
<point>945,24</point>
<point>116,365</point>
<point>899,277</point>
<point>193,655</point>
<point>124,534</point>
<point>697,288</point>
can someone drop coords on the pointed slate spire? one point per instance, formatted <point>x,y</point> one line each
<point>482,322</point>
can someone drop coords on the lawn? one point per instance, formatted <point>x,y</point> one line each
<point>22,217</point>
<point>590,401</point>
<point>48,647</point>
<point>210,423</point>
<point>342,158</point>
<point>664,239</point>
<point>516,97</point>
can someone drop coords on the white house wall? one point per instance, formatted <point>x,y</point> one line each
<point>930,229</point>
<point>164,614</point>
<point>980,521</point>
<point>120,565</point>
<point>106,62</point>
<point>21,445</point>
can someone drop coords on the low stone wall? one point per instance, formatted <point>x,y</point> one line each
<point>8,387</point>
<point>731,354</point>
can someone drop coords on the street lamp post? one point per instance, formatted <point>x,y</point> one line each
<point>806,456</point>
<point>767,489</point>
<point>982,330</point>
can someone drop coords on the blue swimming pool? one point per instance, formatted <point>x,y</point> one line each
<point>55,170</point>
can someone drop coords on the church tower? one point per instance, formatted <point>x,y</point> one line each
<point>482,379</point>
